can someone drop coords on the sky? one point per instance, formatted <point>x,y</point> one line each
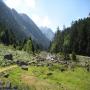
<point>52,13</point>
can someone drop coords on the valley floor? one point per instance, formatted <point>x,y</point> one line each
<point>43,77</point>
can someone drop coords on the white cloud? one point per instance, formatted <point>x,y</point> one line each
<point>21,5</point>
<point>41,20</point>
<point>29,7</point>
<point>30,3</point>
<point>46,21</point>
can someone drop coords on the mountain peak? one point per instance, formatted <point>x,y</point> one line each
<point>47,32</point>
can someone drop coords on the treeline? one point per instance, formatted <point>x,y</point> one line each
<point>7,38</point>
<point>73,39</point>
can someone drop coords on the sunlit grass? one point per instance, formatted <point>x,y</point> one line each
<point>71,80</point>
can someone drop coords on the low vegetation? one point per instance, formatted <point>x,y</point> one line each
<point>30,61</point>
<point>43,71</point>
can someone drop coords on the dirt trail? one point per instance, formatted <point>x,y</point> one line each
<point>39,84</point>
<point>7,68</point>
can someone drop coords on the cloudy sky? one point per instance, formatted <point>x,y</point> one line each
<point>52,13</point>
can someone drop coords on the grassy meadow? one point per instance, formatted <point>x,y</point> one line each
<point>42,77</point>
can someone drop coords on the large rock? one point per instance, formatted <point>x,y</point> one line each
<point>24,67</point>
<point>20,63</point>
<point>6,75</point>
<point>40,64</point>
<point>32,62</point>
<point>8,85</point>
<point>8,56</point>
<point>1,85</point>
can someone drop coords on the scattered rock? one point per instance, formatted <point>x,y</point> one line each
<point>1,85</point>
<point>24,67</point>
<point>8,56</point>
<point>20,63</point>
<point>40,64</point>
<point>8,85</point>
<point>6,75</point>
<point>1,82</point>
<point>32,63</point>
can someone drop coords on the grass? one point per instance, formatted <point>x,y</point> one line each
<point>17,55</point>
<point>77,80</point>
<point>29,78</point>
<point>2,69</point>
<point>39,78</point>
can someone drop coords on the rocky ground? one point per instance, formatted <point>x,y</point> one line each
<point>42,71</point>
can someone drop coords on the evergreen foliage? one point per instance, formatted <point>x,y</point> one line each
<point>29,46</point>
<point>75,38</point>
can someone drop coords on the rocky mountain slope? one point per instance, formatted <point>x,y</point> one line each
<point>21,25</point>
<point>47,32</point>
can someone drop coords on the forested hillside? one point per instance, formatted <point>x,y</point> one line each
<point>73,39</point>
<point>34,59</point>
<point>19,27</point>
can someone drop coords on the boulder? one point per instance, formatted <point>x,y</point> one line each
<point>6,75</point>
<point>24,67</point>
<point>1,82</point>
<point>8,56</point>
<point>40,64</point>
<point>8,85</point>
<point>20,63</point>
<point>32,62</point>
<point>1,85</point>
